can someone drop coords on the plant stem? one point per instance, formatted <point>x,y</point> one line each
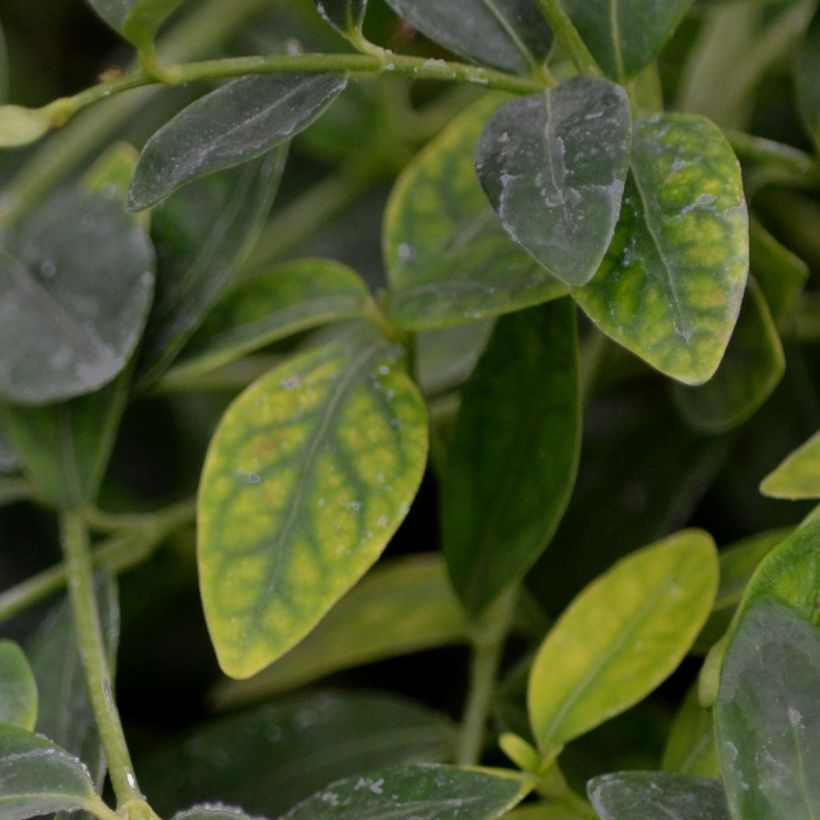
<point>488,644</point>
<point>93,657</point>
<point>568,36</point>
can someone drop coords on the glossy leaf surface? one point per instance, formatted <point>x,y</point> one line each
<point>417,792</point>
<point>512,463</point>
<point>70,318</point>
<point>807,70</point>
<point>752,367</point>
<point>240,121</point>
<point>136,20</point>
<point>39,777</point>
<point>651,795</point>
<point>508,34</point>
<point>214,811</point>
<point>405,605</point>
<point>766,716</point>
<point>294,296</point>
<point>449,261</point>
<point>346,16</point>
<point>799,474</point>
<point>671,284</point>
<point>282,752</point>
<point>553,165</point>
<point>309,474</point>
<point>625,35</point>
<point>18,689</point>
<point>623,635</point>
<point>203,234</point>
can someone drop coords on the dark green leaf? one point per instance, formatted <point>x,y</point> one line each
<point>202,235</point>
<point>39,777</point>
<point>405,605</point>
<point>13,489</point>
<point>9,461</point>
<point>18,689</point>
<point>308,476</point>
<point>514,456</point>
<point>446,357</point>
<point>690,747</point>
<point>346,16</point>
<point>798,476</point>
<point>268,758</point>
<point>553,165</point>
<point>807,70</point>
<point>240,121</point>
<point>449,261</point>
<point>671,284</point>
<point>652,795</point>
<point>4,69</point>
<point>752,367</point>
<point>424,791</point>
<point>766,716</point>
<point>136,20</point>
<point>625,35</point>
<point>294,296</point>
<point>508,34</point>
<point>74,301</point>
<point>213,812</point>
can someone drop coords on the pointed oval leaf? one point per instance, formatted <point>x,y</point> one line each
<point>449,261</point>
<point>283,751</point>
<point>512,463</point>
<point>766,716</point>
<point>690,747</point>
<point>799,474</point>
<point>670,286</point>
<point>346,16</point>
<point>424,791</point>
<point>310,473</point>
<point>623,635</point>
<point>240,121</point>
<point>38,777</point>
<point>18,689</point>
<point>293,297</point>
<point>74,302</point>
<point>553,165</point>
<point>752,367</point>
<point>807,70</point>
<point>651,795</point>
<point>508,34</point>
<point>405,605</point>
<point>137,20</point>
<point>213,811</point>
<point>625,35</point>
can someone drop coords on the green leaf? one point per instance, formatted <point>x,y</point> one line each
<point>137,20</point>
<point>766,717</point>
<point>70,317</point>
<point>65,714</point>
<point>346,16</point>
<point>650,795</point>
<point>406,605</point>
<point>280,753</point>
<point>553,165</point>
<point>798,476</point>
<point>18,689</point>
<point>780,274</point>
<point>625,35</point>
<point>671,284</point>
<point>807,69</point>
<point>294,296</point>
<point>423,791</point>
<point>449,261</point>
<point>752,367</point>
<point>623,635</point>
<point>9,461</point>
<point>65,447</point>
<point>308,476</point>
<point>39,777</point>
<point>690,748</point>
<point>514,456</point>
<point>13,489</point>
<point>213,812</point>
<point>20,126</point>
<point>240,121</point>
<point>203,234</point>
<point>508,34</point>
<point>4,69</point>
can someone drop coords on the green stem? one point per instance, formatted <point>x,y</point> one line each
<point>91,647</point>
<point>488,644</point>
<point>568,36</point>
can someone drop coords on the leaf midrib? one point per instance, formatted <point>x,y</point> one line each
<point>519,44</point>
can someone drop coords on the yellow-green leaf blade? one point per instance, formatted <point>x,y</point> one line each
<point>671,284</point>
<point>798,476</point>
<point>623,635</point>
<point>310,472</point>
<point>18,689</point>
